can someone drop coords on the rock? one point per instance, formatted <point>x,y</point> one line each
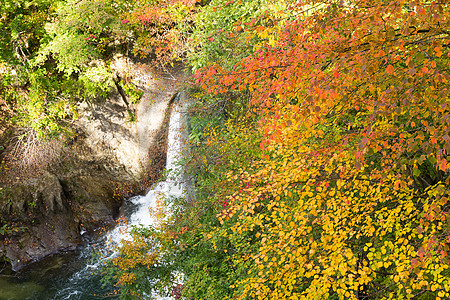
<point>93,200</point>
<point>50,190</point>
<point>40,209</point>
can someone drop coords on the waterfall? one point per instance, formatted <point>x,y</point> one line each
<point>172,186</point>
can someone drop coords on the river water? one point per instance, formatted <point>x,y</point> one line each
<point>76,275</point>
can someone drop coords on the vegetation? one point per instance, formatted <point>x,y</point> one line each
<point>318,162</point>
<point>319,139</point>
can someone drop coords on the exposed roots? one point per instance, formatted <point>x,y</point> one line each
<point>27,155</point>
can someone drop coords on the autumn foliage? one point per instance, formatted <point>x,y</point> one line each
<point>345,193</point>
<point>159,26</point>
<point>350,195</point>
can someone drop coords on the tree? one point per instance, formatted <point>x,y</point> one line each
<point>161,28</point>
<point>350,197</point>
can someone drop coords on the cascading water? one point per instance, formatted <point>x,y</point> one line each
<point>77,277</point>
<point>173,186</point>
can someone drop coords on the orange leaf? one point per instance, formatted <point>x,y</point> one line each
<point>389,69</point>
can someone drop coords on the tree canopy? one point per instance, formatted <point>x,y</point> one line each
<point>325,171</point>
<point>56,53</point>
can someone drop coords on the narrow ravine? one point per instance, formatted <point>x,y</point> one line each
<point>75,276</point>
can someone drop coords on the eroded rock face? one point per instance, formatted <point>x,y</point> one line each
<point>40,210</point>
<point>108,150</point>
<point>108,136</point>
<point>49,213</point>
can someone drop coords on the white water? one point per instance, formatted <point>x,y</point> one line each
<point>173,186</point>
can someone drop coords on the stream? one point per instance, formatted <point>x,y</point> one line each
<point>75,275</point>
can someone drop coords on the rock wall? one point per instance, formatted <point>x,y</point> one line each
<point>77,194</point>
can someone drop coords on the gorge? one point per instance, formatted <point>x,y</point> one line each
<point>319,141</point>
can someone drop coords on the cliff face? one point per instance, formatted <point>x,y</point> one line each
<point>78,193</point>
